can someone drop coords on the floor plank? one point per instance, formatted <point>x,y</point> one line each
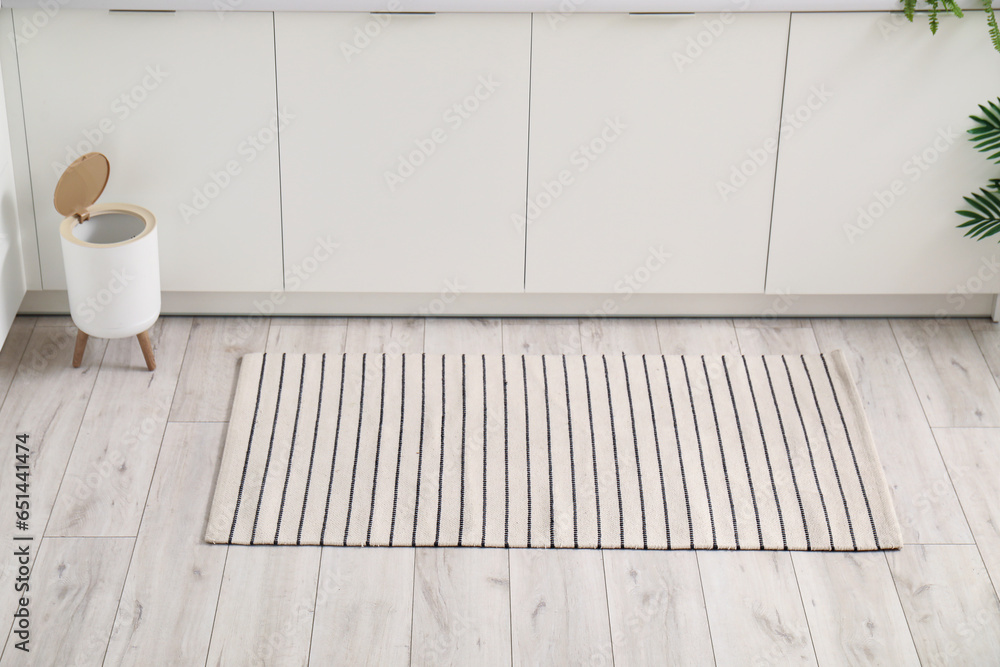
<point>853,609</point>
<point>461,608</point>
<point>13,351</point>
<point>168,603</point>
<point>281,637</point>
<point>951,608</point>
<point>697,336</point>
<point>61,321</point>
<point>463,336</point>
<point>364,607</point>
<point>265,609</point>
<point>461,605</point>
<point>922,491</point>
<point>364,601</point>
<point>388,335</point>
<point>983,324</point>
<point>47,401</point>
<point>107,479</point>
<point>768,613</point>
<point>75,585</point>
<point>657,608</point>
<point>614,336</point>
<point>953,382</point>
<point>989,345</point>
<point>754,609</point>
<point>310,336</point>
<point>655,600</point>
<point>971,456</point>
<point>770,320</point>
<point>777,340</point>
<point>559,614</point>
<point>541,336</point>
<point>207,382</point>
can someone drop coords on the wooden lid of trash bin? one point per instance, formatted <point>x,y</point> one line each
<point>81,185</point>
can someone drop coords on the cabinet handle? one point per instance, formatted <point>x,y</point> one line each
<point>387,13</point>
<point>142,11</point>
<point>640,14</point>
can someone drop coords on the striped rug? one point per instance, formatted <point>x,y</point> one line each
<point>591,451</point>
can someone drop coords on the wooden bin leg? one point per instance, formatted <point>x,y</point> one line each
<point>81,345</point>
<point>147,350</point>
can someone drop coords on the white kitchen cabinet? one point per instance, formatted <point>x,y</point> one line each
<point>652,152</point>
<point>12,283</point>
<point>406,150</point>
<point>868,185</point>
<point>183,105</point>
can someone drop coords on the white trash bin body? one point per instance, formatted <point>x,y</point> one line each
<point>110,255</point>
<point>112,270</point>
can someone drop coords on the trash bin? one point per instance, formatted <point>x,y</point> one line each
<point>111,259</point>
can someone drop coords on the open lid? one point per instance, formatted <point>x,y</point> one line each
<point>81,184</point>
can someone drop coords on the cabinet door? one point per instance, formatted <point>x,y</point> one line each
<point>868,184</point>
<point>12,284</point>
<point>652,151</point>
<point>183,105</point>
<point>407,148</point>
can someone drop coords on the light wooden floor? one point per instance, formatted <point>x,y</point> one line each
<point>124,463</point>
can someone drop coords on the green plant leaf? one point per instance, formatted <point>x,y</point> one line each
<point>991,20</point>
<point>986,132</point>
<point>983,220</point>
<point>910,5</point>
<point>934,7</point>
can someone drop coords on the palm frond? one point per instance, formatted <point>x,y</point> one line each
<point>983,215</point>
<point>986,133</point>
